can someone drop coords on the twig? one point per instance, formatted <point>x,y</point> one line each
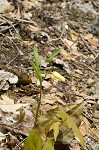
<point>57,38</point>
<point>69,48</point>
<point>7,28</point>
<point>12,129</point>
<point>26,21</point>
<point>87,45</point>
<point>11,25</point>
<point>90,69</point>
<point>12,60</point>
<point>18,145</point>
<point>20,52</point>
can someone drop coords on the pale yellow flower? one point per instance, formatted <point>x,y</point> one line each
<point>58,76</point>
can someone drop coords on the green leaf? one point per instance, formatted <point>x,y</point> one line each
<point>55,127</point>
<point>78,135</point>
<point>77,109</point>
<point>64,116</point>
<point>68,121</point>
<point>49,124</point>
<point>33,141</point>
<point>37,71</point>
<point>49,59</point>
<point>49,145</point>
<point>36,57</point>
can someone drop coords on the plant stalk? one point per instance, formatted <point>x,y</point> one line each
<point>38,106</point>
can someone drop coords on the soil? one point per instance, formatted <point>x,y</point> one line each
<point>53,22</point>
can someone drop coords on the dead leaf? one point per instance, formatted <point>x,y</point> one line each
<point>27,15</point>
<point>8,76</point>
<point>75,148</point>
<point>6,99</point>
<point>4,85</point>
<point>29,43</point>
<point>64,63</point>
<point>48,76</point>
<point>2,102</point>
<point>94,42</point>
<point>33,28</point>
<point>96,114</point>
<point>34,79</point>
<point>84,127</point>
<point>65,55</point>
<point>43,62</point>
<point>60,101</point>
<point>88,36</point>
<point>51,99</point>
<point>46,84</point>
<point>94,133</point>
<point>79,71</point>
<point>5,7</point>
<point>76,52</point>
<point>17,13</point>
<point>90,59</point>
<point>74,35</point>
<point>29,4</point>
<point>2,136</point>
<point>90,81</point>
<point>27,100</point>
<point>70,43</point>
<point>11,108</point>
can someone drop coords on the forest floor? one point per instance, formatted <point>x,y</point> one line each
<point>72,26</point>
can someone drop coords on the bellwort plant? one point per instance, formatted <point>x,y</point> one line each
<point>36,64</point>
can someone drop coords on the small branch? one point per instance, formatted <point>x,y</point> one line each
<point>89,48</point>
<point>12,129</point>
<point>20,52</point>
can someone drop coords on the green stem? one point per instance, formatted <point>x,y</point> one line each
<point>38,106</point>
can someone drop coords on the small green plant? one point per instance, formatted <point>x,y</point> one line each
<point>37,68</point>
<point>55,124</point>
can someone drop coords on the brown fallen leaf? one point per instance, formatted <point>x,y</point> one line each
<point>23,77</point>
<point>33,28</point>
<point>96,114</point>
<point>94,133</point>
<point>79,71</point>
<point>70,44</point>
<point>88,36</point>
<point>94,42</point>
<point>2,102</point>
<point>7,78</point>
<point>6,99</point>
<point>65,55</point>
<point>90,59</point>
<point>51,99</point>
<point>46,84</point>
<point>75,52</point>
<point>75,148</point>
<point>90,81</point>
<point>2,136</point>
<point>84,127</point>
<point>5,7</point>
<point>74,35</point>
<point>11,108</point>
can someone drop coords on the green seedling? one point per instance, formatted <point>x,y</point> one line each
<point>55,124</point>
<point>36,64</point>
<point>49,59</point>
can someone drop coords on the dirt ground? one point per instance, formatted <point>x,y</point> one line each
<point>73,26</point>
